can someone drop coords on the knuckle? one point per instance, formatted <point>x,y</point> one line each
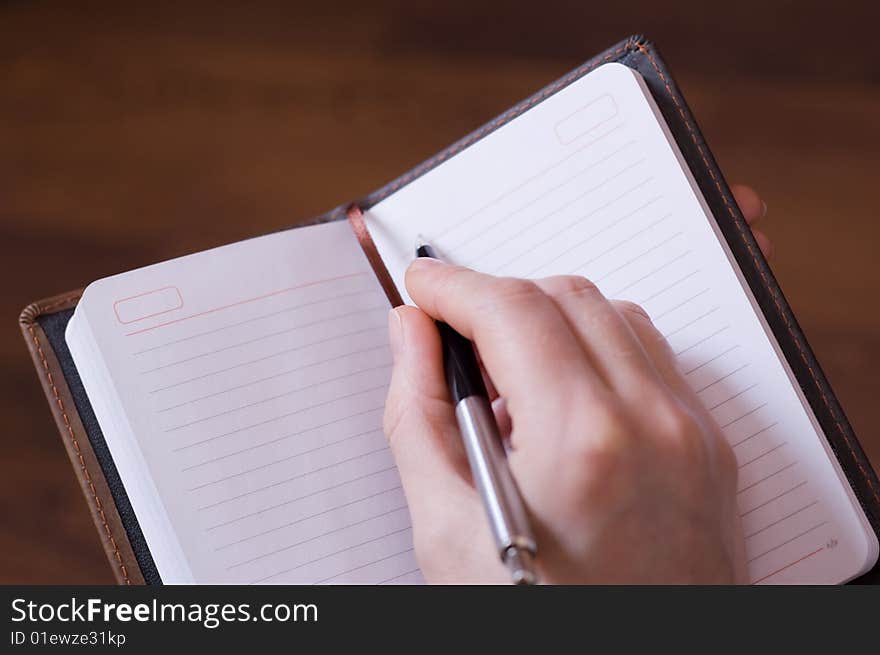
<point>672,420</point>
<point>602,439</point>
<point>680,432</point>
<point>727,463</point>
<point>513,291</point>
<point>597,457</point>
<point>631,309</point>
<point>571,285</point>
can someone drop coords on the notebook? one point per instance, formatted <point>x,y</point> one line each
<point>239,391</point>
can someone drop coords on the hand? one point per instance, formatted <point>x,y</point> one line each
<point>625,474</point>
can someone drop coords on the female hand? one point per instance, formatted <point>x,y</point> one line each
<point>625,474</point>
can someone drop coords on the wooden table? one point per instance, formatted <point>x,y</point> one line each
<point>129,136</point>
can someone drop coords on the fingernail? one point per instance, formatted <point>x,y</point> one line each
<point>395,333</point>
<point>763,209</point>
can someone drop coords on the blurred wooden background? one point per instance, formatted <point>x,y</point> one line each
<point>130,135</point>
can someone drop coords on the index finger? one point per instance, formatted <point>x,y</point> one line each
<point>524,341</point>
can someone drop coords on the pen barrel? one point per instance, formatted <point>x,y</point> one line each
<point>507,514</point>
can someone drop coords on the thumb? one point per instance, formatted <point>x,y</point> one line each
<point>420,419</point>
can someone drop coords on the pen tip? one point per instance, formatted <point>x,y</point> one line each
<point>423,248</point>
<point>521,565</point>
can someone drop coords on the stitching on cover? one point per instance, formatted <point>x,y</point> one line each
<point>641,47</point>
<point>82,463</point>
<point>497,121</point>
<point>61,301</point>
<point>33,310</point>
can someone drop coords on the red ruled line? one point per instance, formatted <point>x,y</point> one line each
<point>242,302</point>
<point>788,566</point>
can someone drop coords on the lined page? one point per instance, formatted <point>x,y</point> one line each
<point>589,182</point>
<point>241,395</point>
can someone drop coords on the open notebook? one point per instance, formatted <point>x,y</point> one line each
<point>241,389</point>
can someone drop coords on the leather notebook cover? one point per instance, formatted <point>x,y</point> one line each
<point>43,324</point>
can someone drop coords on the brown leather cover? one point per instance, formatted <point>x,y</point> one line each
<point>76,441</point>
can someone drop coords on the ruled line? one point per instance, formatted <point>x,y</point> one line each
<point>290,436</point>
<point>755,434</point>
<point>246,301</point>
<point>636,258</point>
<point>587,239</point>
<point>315,538</point>
<point>561,208</point>
<point>312,516</point>
<point>766,477</point>
<point>298,498</point>
<point>764,454</point>
<point>475,238</point>
<point>734,396</point>
<point>774,498</point>
<point>697,320</point>
<point>651,273</point>
<point>607,250</point>
<point>277,418</point>
<point>629,238</point>
<point>299,476</point>
<point>467,219</point>
<point>668,287</point>
<point>788,566</point>
<point>283,459</point>
<point>784,518</point>
<point>251,320</point>
<point>723,378</point>
<point>681,304</point>
<point>268,399</point>
<point>271,377</point>
<point>363,566</point>
<point>337,552</point>
<point>711,359</point>
<point>788,541</point>
<point>397,577</point>
<point>272,356</point>
<point>742,416</point>
<point>262,337</point>
<point>700,341</point>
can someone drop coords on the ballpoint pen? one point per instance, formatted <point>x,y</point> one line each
<point>504,506</point>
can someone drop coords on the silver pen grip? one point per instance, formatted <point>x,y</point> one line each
<point>504,506</point>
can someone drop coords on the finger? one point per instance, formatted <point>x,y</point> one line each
<point>751,205</point>
<point>682,394</point>
<point>502,418</point>
<point>525,343</point>
<point>419,418</point>
<point>611,345</point>
<point>764,243</point>
<point>487,379</point>
<point>661,354</point>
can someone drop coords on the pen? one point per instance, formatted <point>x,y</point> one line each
<point>507,516</point>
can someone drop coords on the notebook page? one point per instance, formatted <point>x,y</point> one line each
<point>587,182</point>
<point>241,392</point>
